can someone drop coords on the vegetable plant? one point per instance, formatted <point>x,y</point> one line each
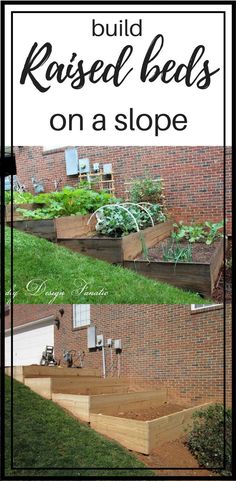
<point>117,222</point>
<point>147,190</point>
<point>207,232</point>
<point>68,202</point>
<point>173,252</point>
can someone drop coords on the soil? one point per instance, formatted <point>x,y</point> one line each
<point>201,252</point>
<point>218,293</point>
<point>174,454</point>
<point>152,412</point>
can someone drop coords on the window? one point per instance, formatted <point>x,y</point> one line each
<point>195,307</point>
<point>81,315</point>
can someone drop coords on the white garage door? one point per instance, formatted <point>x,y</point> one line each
<point>28,344</point>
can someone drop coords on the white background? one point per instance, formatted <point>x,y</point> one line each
<point>72,32</point>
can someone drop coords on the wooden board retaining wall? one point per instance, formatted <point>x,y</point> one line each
<point>18,215</point>
<point>70,227</point>
<point>41,228</point>
<point>81,405</point>
<point>116,250</point>
<point>144,436</point>
<point>45,386</point>
<point>198,277</point>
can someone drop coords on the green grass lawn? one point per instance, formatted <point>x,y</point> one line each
<point>44,436</point>
<point>46,273</point>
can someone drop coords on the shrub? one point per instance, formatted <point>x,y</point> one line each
<point>206,440</point>
<point>147,190</point>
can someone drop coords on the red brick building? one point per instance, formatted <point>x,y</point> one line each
<point>193,176</point>
<point>176,346</point>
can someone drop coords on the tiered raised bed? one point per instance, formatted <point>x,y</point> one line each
<point>114,250</point>
<point>145,435</point>
<point>107,396</point>
<point>47,228</point>
<point>46,386</point>
<point>20,373</point>
<point>18,215</point>
<point>194,276</point>
<point>140,421</point>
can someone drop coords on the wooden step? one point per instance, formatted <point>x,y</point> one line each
<point>45,386</point>
<point>82,406</point>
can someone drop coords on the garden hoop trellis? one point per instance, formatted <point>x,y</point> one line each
<point>121,206</point>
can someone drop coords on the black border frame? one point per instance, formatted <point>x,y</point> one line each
<point>2,209</point>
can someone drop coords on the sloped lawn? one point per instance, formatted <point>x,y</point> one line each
<point>47,273</point>
<point>44,436</point>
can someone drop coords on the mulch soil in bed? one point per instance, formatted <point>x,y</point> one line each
<point>200,252</point>
<point>174,454</point>
<point>152,412</point>
<point>218,293</point>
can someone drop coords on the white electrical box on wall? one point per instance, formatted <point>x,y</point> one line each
<point>117,344</point>
<point>100,340</point>
<point>92,338</point>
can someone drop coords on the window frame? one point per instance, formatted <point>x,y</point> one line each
<point>81,324</point>
<point>200,307</point>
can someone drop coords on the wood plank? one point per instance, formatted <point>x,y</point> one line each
<point>115,250</point>
<point>19,215</point>
<point>74,226</point>
<point>130,433</point>
<point>55,371</point>
<point>78,405</point>
<point>144,436</point>
<point>132,244</point>
<point>111,404</point>
<point>41,228</point>
<point>217,261</point>
<point>42,386</point>
<point>17,373</point>
<point>90,385</point>
<point>171,427</point>
<point>106,249</point>
<point>189,276</point>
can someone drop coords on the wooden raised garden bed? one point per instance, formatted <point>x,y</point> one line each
<point>140,421</point>
<point>49,228</point>
<point>46,386</point>
<point>20,373</point>
<point>145,435</point>
<point>40,228</point>
<point>114,250</point>
<point>19,215</point>
<point>70,227</point>
<point>194,276</point>
<point>83,405</point>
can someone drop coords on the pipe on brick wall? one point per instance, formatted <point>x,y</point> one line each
<point>103,362</point>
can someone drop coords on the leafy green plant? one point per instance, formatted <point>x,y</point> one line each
<point>206,440</point>
<point>20,197</point>
<point>173,252</point>
<point>214,231</point>
<point>7,197</point>
<point>145,250</point>
<point>228,263</point>
<point>68,202</point>
<point>207,232</point>
<point>117,222</point>
<point>147,190</point>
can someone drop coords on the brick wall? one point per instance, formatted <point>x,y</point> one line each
<point>193,176</point>
<point>162,345</point>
